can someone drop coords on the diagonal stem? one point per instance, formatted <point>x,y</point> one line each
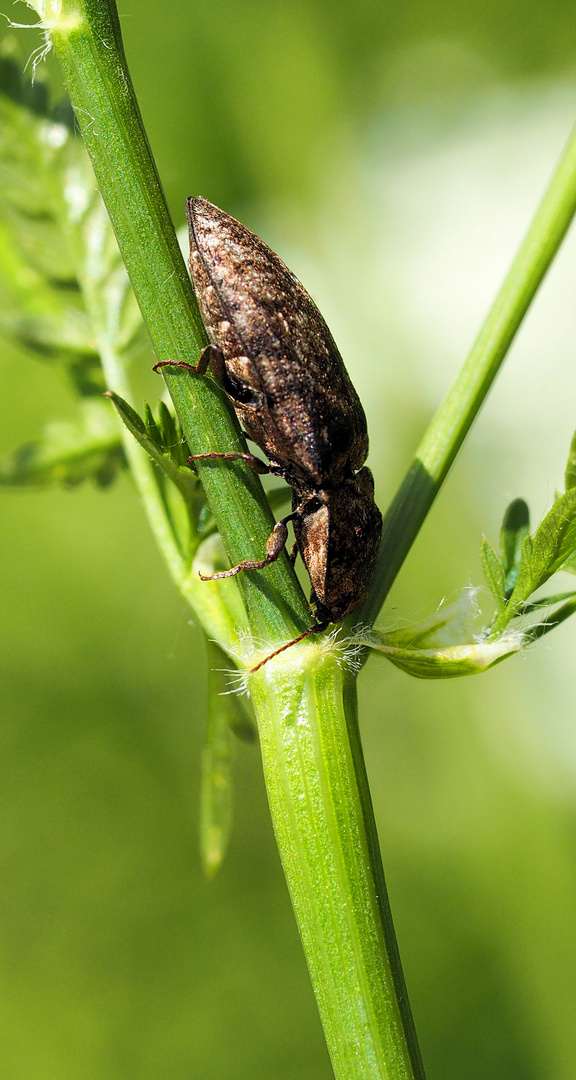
<point>453,420</point>
<point>86,37</point>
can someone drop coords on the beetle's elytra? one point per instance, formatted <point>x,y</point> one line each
<point>274,355</point>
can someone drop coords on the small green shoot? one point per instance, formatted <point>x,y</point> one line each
<point>515,526</point>
<point>452,642</point>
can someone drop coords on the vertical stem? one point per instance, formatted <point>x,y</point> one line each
<point>324,826</point>
<point>315,775</point>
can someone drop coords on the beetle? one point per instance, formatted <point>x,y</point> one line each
<point>275,357</point>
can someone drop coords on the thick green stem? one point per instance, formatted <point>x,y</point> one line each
<point>452,422</point>
<point>314,769</point>
<point>86,37</point>
<point>318,791</point>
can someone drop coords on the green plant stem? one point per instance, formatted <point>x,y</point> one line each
<point>215,616</point>
<point>322,813</point>
<point>454,418</point>
<point>87,40</point>
<point>316,782</point>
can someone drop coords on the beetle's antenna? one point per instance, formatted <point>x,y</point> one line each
<point>318,628</point>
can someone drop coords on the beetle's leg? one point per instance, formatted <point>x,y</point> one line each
<point>250,459</point>
<point>298,512</point>
<point>209,357</point>
<point>274,546</point>
<point>318,628</point>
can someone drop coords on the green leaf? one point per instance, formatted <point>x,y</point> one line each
<point>451,662</point>
<point>449,624</point>
<point>216,781</point>
<point>523,586</point>
<point>63,287</point>
<point>152,429</point>
<point>552,548</point>
<point>533,633</point>
<point>570,475</point>
<point>147,435</point>
<point>554,540</point>
<point>172,437</point>
<point>446,645</point>
<point>69,452</point>
<point>515,527</point>
<point>494,573</point>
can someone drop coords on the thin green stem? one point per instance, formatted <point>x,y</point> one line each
<point>87,40</point>
<point>453,420</point>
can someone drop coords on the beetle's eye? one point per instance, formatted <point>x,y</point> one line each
<point>241,393</point>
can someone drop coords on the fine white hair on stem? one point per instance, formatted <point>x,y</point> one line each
<point>41,52</point>
<point>237,681</point>
<point>346,651</point>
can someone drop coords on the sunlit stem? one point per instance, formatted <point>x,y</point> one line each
<point>86,37</point>
<point>305,702</point>
<point>445,435</point>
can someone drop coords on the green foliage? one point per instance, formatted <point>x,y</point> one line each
<point>65,297</point>
<point>493,572</point>
<point>447,645</point>
<point>450,662</point>
<point>451,643</point>
<point>69,452</point>
<point>63,287</point>
<point>515,527</point>
<point>227,714</point>
<point>162,440</point>
<point>570,474</point>
<point>528,561</point>
<point>534,559</point>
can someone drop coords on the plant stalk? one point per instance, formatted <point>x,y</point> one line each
<point>87,40</point>
<point>323,822</point>
<point>304,701</point>
<point>453,420</point>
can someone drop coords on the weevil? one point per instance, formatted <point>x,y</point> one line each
<point>275,357</point>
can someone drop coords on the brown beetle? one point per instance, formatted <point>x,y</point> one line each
<point>276,359</point>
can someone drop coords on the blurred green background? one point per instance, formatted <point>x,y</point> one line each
<point>393,155</point>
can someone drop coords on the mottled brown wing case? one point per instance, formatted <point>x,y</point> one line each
<point>288,381</point>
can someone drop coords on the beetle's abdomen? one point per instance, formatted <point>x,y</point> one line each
<point>338,537</point>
